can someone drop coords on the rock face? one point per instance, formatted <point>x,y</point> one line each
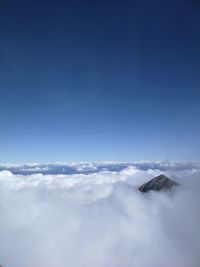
<point>158,183</point>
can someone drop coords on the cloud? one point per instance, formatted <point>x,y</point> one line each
<point>89,167</point>
<point>98,218</point>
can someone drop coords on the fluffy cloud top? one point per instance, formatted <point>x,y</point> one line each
<point>93,215</point>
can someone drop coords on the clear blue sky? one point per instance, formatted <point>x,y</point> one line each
<point>99,80</point>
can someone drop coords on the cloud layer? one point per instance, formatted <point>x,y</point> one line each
<point>93,215</point>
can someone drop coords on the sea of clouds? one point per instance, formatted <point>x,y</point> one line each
<point>92,215</point>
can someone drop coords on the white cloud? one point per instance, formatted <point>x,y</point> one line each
<point>99,218</point>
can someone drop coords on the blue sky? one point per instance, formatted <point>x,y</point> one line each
<point>99,80</point>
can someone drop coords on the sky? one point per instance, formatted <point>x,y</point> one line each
<point>99,80</point>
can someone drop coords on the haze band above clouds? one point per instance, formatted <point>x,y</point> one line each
<point>91,214</point>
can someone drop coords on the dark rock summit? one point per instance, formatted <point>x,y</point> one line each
<point>158,183</point>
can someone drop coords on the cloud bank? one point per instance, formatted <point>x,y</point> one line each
<point>93,215</point>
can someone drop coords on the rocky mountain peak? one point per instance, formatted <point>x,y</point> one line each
<point>161,182</point>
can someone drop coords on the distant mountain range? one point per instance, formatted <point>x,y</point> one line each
<point>94,167</point>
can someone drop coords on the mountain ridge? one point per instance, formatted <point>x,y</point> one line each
<point>158,183</point>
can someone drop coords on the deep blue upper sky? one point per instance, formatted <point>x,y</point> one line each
<point>99,80</point>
